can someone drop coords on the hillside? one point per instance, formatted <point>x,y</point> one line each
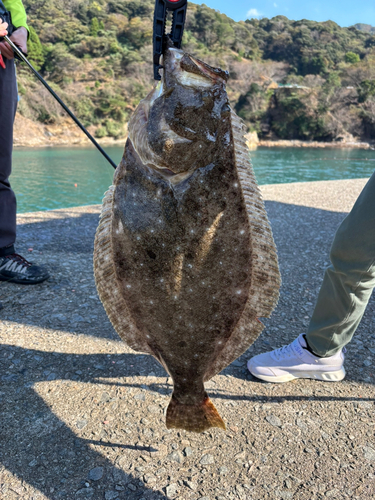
<point>365,27</point>
<point>289,80</point>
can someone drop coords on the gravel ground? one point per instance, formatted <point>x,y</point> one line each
<point>82,414</point>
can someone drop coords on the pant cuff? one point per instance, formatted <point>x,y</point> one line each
<point>7,251</point>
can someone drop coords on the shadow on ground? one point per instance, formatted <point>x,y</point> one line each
<point>68,300</point>
<point>40,448</point>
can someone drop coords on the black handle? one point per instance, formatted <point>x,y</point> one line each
<point>160,16</point>
<point>178,21</point>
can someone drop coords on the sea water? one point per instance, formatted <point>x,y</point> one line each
<point>48,178</point>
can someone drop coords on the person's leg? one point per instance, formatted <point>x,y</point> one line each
<point>342,300</point>
<point>13,267</point>
<point>8,105</point>
<point>349,281</point>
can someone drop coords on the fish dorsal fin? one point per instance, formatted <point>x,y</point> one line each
<point>265,276</point>
<point>107,283</point>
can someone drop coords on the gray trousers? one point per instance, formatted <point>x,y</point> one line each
<point>8,105</point>
<point>349,280</point>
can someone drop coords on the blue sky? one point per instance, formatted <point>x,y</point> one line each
<point>343,12</point>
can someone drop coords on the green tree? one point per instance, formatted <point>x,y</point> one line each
<point>315,65</point>
<point>35,50</point>
<point>294,117</point>
<point>352,58</point>
<point>94,26</point>
<point>252,106</point>
<point>366,90</point>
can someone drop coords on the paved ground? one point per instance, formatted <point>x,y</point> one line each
<point>82,415</point>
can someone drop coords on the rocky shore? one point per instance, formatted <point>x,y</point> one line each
<point>30,134</point>
<point>83,415</point>
<point>316,144</point>
<point>253,142</point>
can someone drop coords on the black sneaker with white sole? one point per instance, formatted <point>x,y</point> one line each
<point>16,269</point>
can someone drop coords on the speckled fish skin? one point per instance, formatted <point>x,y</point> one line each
<point>184,257</point>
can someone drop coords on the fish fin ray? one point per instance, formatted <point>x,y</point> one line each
<point>265,276</point>
<point>106,282</point>
<point>193,418</point>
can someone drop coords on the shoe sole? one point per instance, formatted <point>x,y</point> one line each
<point>24,282</point>
<point>334,376</point>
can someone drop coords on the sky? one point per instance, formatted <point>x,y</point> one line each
<point>343,12</point>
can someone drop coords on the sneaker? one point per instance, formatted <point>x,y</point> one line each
<point>295,361</point>
<point>16,269</point>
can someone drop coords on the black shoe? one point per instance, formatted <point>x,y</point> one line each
<point>16,269</point>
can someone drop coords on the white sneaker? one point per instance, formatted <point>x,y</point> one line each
<point>295,361</point>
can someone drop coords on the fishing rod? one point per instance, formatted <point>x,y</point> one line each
<point>178,9</point>
<point>22,57</point>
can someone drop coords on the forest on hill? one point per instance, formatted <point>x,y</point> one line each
<point>288,79</point>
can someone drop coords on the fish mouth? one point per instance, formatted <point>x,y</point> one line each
<point>188,70</point>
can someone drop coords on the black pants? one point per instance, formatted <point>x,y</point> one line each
<point>8,106</point>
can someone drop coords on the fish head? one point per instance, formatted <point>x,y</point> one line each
<point>177,128</point>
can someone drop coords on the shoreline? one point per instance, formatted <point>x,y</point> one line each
<point>29,134</point>
<point>84,142</point>
<point>315,144</point>
<point>65,133</point>
<point>74,144</point>
<point>264,144</point>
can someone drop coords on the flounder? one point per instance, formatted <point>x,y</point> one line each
<point>184,259</point>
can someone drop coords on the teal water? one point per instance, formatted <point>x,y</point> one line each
<point>49,178</point>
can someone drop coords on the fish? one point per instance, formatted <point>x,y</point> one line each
<point>185,262</point>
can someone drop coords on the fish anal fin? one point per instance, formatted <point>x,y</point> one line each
<point>193,418</point>
<point>107,284</point>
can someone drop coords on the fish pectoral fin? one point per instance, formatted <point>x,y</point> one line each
<point>193,418</point>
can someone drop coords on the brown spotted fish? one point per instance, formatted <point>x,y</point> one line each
<point>184,257</point>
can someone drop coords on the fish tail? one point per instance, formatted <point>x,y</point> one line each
<point>193,418</point>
